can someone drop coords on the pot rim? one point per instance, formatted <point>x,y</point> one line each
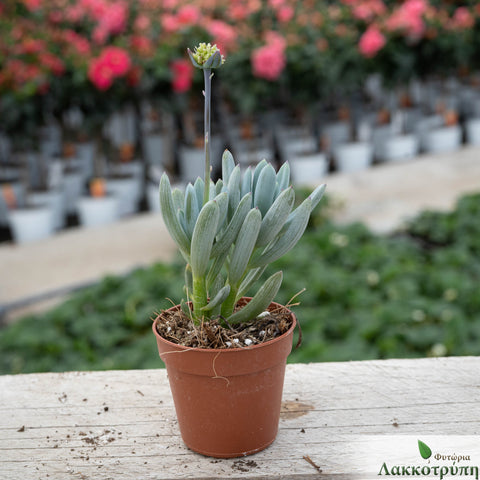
<point>226,350</point>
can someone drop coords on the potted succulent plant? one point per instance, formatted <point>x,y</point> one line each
<point>226,353</point>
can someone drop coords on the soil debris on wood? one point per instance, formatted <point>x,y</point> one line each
<point>244,465</point>
<point>176,327</point>
<point>312,463</point>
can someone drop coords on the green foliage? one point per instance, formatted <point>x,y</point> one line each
<point>411,294</point>
<point>229,233</point>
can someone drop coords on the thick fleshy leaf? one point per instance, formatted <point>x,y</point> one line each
<point>218,299</point>
<point>229,234</point>
<point>222,200</point>
<point>288,237</point>
<point>191,209</point>
<point>260,301</point>
<point>178,198</point>
<point>233,189</point>
<point>228,164</point>
<point>265,189</point>
<point>244,245</point>
<point>199,187</point>
<point>276,217</point>
<point>250,278</point>
<point>283,176</point>
<point>247,181</point>
<point>170,219</point>
<point>317,195</point>
<point>202,238</point>
<point>258,169</point>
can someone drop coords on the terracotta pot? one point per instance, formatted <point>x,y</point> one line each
<point>227,400</point>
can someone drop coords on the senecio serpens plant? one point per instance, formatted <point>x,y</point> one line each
<point>229,231</point>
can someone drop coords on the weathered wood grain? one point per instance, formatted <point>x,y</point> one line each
<point>121,424</point>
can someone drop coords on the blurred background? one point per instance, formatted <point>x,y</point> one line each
<point>380,99</point>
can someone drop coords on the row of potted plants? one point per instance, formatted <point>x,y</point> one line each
<point>377,126</point>
<point>96,55</point>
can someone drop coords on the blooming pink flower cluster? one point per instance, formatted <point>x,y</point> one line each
<point>112,39</point>
<point>408,17</point>
<point>186,16</point>
<point>462,19</point>
<point>371,42</point>
<point>112,63</point>
<point>223,35</point>
<point>367,10</point>
<point>269,60</point>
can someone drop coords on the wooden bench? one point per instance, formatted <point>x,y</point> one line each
<point>121,424</point>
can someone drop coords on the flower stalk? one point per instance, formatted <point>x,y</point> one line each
<point>207,75</point>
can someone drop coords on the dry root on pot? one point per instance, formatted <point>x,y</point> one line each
<point>175,326</point>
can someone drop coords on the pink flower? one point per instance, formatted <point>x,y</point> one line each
<point>275,38</point>
<point>268,61</point>
<point>142,45</point>
<point>80,43</point>
<point>276,3</point>
<point>224,35</point>
<point>188,15</point>
<point>33,5</point>
<point>52,62</point>
<point>368,9</point>
<point>463,19</point>
<point>285,13</point>
<point>182,71</point>
<point>74,13</point>
<point>238,12</point>
<point>113,62</point>
<point>414,7</point>
<point>170,23</point>
<point>408,17</point>
<point>142,22</point>
<point>117,59</point>
<point>371,42</point>
<point>100,74</point>
<point>100,34</point>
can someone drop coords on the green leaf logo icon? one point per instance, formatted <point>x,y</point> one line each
<point>425,451</point>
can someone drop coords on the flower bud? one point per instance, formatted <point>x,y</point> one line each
<point>206,56</point>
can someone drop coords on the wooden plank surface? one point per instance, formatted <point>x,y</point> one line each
<point>121,424</point>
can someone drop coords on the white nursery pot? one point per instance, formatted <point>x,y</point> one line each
<point>31,224</point>
<point>400,148</point>
<point>472,130</point>
<point>18,191</point>
<point>290,147</point>
<point>336,133</point>
<point>309,168</point>
<point>85,153</point>
<point>445,139</point>
<point>53,198</point>
<point>380,135</point>
<point>133,168</point>
<point>352,157</point>
<point>426,125</point>
<point>95,211</point>
<point>127,190</point>
<point>72,189</point>
<point>154,148</point>
<point>191,163</point>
